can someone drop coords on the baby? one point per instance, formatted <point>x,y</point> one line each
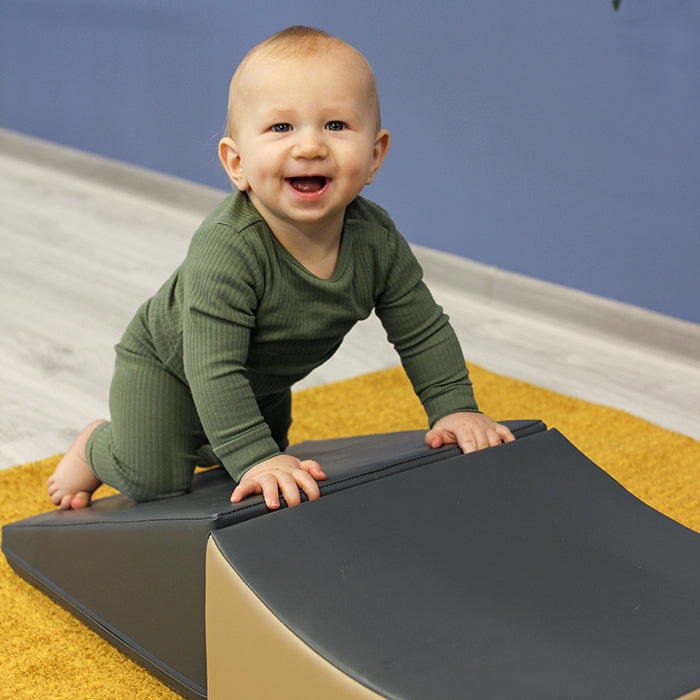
<point>273,280</point>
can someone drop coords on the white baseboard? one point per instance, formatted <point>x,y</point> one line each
<point>113,173</point>
<point>555,303</point>
<point>563,305</point>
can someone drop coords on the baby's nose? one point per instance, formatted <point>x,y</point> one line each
<point>309,144</point>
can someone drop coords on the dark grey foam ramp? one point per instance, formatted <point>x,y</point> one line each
<point>141,583</point>
<point>523,571</point>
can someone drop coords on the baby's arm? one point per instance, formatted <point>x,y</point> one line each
<point>471,431</point>
<point>283,474</point>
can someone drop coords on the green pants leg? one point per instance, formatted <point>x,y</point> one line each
<point>155,439</point>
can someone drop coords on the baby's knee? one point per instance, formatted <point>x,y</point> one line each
<point>148,486</point>
<point>139,473</point>
<point>145,481</point>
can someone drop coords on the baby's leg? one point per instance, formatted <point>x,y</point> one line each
<point>149,449</point>
<point>73,482</point>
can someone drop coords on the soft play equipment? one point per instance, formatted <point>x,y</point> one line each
<point>519,571</point>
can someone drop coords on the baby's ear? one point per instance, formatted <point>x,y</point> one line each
<point>231,160</point>
<point>381,146</point>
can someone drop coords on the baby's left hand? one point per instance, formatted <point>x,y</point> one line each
<point>471,431</point>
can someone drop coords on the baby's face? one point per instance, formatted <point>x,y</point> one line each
<point>306,138</point>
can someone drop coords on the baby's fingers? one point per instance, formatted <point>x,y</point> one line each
<point>289,485</point>
<point>247,487</point>
<point>314,468</point>
<point>472,440</point>
<point>481,438</point>
<point>307,483</point>
<point>266,484</point>
<point>504,433</point>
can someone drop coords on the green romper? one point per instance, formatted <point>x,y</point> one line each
<point>206,365</point>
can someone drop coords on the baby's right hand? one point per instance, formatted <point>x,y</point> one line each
<point>283,474</point>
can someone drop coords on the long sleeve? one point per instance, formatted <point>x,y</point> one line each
<point>422,335</point>
<point>219,309</point>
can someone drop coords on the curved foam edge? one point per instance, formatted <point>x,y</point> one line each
<point>251,653</point>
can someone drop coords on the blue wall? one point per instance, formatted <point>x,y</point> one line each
<point>555,139</point>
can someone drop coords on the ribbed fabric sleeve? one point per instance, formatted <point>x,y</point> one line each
<point>422,335</point>
<point>241,320</point>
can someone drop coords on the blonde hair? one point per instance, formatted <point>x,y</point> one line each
<point>294,42</point>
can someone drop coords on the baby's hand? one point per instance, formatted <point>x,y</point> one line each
<point>283,474</point>
<point>471,431</point>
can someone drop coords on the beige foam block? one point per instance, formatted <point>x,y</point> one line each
<point>251,654</point>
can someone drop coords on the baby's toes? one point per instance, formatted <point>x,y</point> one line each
<point>55,495</point>
<point>80,500</point>
<point>64,501</point>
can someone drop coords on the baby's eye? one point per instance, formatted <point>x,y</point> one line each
<point>281,128</point>
<point>335,125</point>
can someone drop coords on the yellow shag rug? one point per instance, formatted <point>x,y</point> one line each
<point>46,653</point>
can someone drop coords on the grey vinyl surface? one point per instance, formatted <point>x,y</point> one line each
<point>134,551</point>
<point>534,575</point>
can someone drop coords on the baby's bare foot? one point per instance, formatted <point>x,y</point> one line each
<point>73,482</point>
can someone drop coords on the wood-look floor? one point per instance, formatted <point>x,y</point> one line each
<point>77,257</point>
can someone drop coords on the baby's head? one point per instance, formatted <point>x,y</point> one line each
<point>304,133</point>
<point>299,42</point>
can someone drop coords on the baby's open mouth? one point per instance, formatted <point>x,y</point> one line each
<point>308,184</point>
